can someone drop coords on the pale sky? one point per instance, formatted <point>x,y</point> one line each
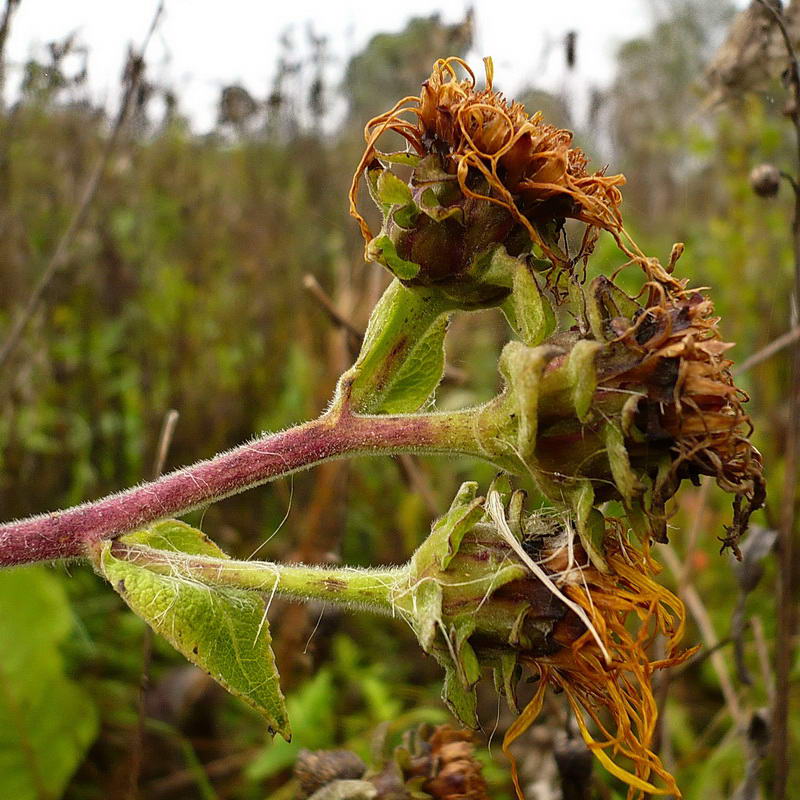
<point>202,45</point>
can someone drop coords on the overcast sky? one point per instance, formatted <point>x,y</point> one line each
<point>202,45</point>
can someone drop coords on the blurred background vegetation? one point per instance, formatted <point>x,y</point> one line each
<point>186,287</point>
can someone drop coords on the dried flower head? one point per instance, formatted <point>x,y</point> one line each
<point>484,172</point>
<point>494,587</point>
<point>684,393</point>
<point>605,673</point>
<point>632,400</point>
<point>442,763</point>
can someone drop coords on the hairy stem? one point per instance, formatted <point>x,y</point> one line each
<point>563,448</point>
<point>468,588</point>
<point>378,591</point>
<point>66,534</point>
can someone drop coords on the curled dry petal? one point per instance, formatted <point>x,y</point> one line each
<point>595,630</point>
<point>497,154</point>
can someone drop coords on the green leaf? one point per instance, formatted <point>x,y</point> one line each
<point>222,630</point>
<point>624,477</point>
<point>516,509</point>
<point>590,524</point>
<point>506,678</point>
<point>501,483</point>
<point>523,368</point>
<point>447,533</point>
<point>177,537</point>
<point>467,664</point>
<point>420,374</point>
<point>47,722</point>
<point>639,520</point>
<point>430,205</point>
<point>604,302</point>
<point>392,190</point>
<point>406,215</point>
<point>382,249</point>
<point>402,157</point>
<point>461,701</point>
<point>527,310</point>
<point>583,376</point>
<point>398,330</point>
<point>428,604</point>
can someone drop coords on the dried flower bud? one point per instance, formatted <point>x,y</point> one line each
<point>446,760</point>
<point>437,763</point>
<point>317,768</point>
<point>765,180</point>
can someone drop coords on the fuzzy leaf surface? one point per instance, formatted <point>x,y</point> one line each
<point>384,250</point>
<point>420,374</point>
<point>221,630</point>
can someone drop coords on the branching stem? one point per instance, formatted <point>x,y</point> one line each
<point>336,434</point>
<point>784,646</point>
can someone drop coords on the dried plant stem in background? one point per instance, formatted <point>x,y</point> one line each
<point>132,79</point>
<point>710,639</point>
<point>137,744</point>
<point>5,27</point>
<point>784,340</point>
<point>786,544</point>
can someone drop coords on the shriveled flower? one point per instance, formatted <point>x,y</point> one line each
<point>436,763</point>
<point>687,396</point>
<point>484,173</point>
<point>441,762</point>
<point>495,587</point>
<point>606,673</point>
<point>635,398</point>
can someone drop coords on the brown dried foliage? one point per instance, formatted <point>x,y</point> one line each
<point>449,766</point>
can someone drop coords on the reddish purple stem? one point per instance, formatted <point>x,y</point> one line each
<point>66,534</point>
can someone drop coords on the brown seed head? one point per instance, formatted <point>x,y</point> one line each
<point>317,768</point>
<point>688,397</point>
<point>446,759</point>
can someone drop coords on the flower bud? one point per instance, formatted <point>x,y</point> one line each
<point>765,180</point>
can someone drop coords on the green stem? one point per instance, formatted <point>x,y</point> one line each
<point>380,591</point>
<point>468,585</point>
